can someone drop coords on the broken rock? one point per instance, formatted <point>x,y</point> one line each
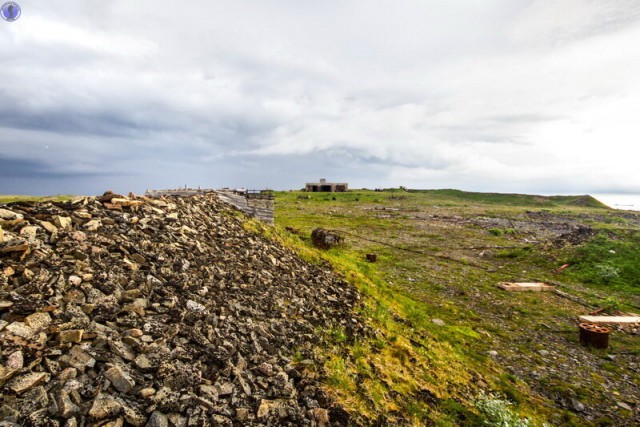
<point>172,312</point>
<point>25,382</point>
<point>104,406</point>
<point>120,380</point>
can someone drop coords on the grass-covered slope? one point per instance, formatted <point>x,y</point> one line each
<point>517,199</point>
<point>9,198</point>
<point>446,347</point>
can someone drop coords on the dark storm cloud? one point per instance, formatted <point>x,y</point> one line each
<point>77,122</point>
<point>18,168</point>
<point>19,176</point>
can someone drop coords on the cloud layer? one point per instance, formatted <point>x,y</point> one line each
<point>519,96</point>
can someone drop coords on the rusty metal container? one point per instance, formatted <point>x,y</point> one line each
<point>594,335</point>
<point>372,257</point>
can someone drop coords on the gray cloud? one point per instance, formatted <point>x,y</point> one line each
<point>496,95</point>
<point>16,168</point>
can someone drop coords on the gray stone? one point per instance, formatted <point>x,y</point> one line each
<point>9,414</point>
<point>242,414</point>
<point>178,375</point>
<point>40,418</point>
<point>79,236</point>
<point>93,225</point>
<point>577,406</point>
<point>320,416</point>
<point>33,400</point>
<point>20,329</point>
<point>66,407</point>
<point>133,416</point>
<point>210,392</point>
<point>72,385</point>
<point>63,222</point>
<point>143,362</point>
<point>195,306</point>
<point>52,229</point>
<point>225,389</point>
<point>38,321</point>
<point>71,335</point>
<point>8,215</point>
<point>177,420</point>
<point>158,419</point>
<point>75,280</point>
<point>25,382</point>
<point>15,360</point>
<point>221,420</point>
<point>244,385</point>
<point>82,213</point>
<point>123,350</point>
<point>136,333</point>
<point>119,379</point>
<point>67,374</point>
<point>77,358</point>
<point>104,406</point>
<point>29,232</point>
<point>438,322</point>
<point>624,406</point>
<point>269,408</point>
<point>147,392</point>
<point>266,369</point>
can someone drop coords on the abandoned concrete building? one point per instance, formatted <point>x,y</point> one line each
<point>324,186</point>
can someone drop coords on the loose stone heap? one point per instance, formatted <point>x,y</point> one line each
<point>325,239</point>
<point>159,312</point>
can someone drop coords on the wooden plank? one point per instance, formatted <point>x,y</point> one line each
<point>610,319</point>
<point>525,287</point>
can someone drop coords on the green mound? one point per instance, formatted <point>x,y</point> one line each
<point>511,199</point>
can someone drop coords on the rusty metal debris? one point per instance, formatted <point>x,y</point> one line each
<point>594,335</point>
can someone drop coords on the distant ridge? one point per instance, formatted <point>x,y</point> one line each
<point>514,199</point>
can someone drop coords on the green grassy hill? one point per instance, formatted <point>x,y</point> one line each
<point>9,198</point>
<point>446,346</point>
<point>517,199</point>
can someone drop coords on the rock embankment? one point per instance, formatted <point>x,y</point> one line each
<point>159,312</point>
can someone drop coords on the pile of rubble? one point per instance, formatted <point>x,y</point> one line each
<point>161,312</point>
<point>325,239</point>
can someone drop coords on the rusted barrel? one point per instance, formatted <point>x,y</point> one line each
<point>372,257</point>
<point>594,335</point>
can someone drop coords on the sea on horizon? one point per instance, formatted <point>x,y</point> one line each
<point>630,202</point>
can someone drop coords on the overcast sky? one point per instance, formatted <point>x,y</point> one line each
<point>493,95</point>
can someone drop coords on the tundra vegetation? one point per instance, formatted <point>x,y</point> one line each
<point>447,347</point>
<point>442,344</point>
<point>8,198</point>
